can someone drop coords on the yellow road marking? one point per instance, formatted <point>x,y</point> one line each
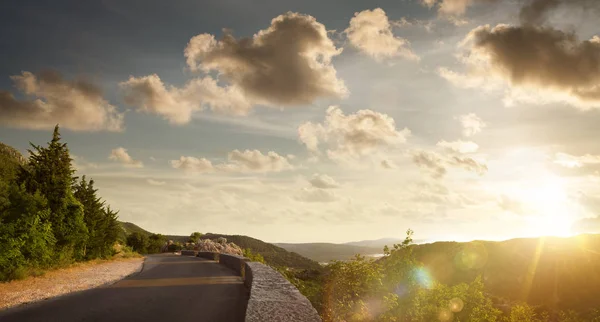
<point>179,281</point>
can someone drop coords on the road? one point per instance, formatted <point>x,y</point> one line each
<point>169,288</point>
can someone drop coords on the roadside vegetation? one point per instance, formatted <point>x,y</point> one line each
<point>398,287</point>
<point>49,218</point>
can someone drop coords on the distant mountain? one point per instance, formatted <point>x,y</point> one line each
<point>376,243</point>
<point>325,252</point>
<point>274,255</point>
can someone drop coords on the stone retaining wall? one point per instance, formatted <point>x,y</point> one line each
<point>272,297</point>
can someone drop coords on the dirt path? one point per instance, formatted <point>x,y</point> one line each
<point>77,278</point>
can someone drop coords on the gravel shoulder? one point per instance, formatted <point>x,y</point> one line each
<point>79,277</point>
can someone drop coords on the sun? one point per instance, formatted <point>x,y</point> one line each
<point>551,208</point>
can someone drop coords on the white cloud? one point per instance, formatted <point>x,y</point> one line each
<point>120,154</point>
<point>351,136</point>
<point>255,161</point>
<point>247,161</point>
<point>289,63</point>
<point>193,164</point>
<point>316,195</point>
<point>76,105</point>
<point>571,161</point>
<point>149,94</point>
<point>459,146</point>
<point>323,181</point>
<point>370,31</point>
<point>81,164</point>
<point>436,164</point>
<point>471,123</point>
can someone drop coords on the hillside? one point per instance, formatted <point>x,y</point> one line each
<point>10,160</point>
<point>325,252</point>
<point>552,271</point>
<point>273,255</point>
<point>129,228</point>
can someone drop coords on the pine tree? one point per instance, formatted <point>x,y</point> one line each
<point>49,172</point>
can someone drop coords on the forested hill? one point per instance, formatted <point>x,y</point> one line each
<point>550,271</point>
<point>274,255</point>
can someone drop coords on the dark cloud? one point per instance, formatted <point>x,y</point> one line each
<point>543,57</point>
<point>50,99</point>
<point>289,63</point>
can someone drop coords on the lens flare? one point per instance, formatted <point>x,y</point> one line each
<point>423,277</point>
<point>456,305</point>
<point>445,315</point>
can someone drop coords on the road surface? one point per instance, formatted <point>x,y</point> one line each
<point>169,288</point>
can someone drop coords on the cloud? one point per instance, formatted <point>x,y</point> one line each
<point>387,164</point>
<point>289,63</point>
<point>459,146</point>
<point>571,161</point>
<point>255,161</point>
<point>193,164</point>
<point>509,204</point>
<point>432,162</point>
<point>436,164</point>
<point>353,135</point>
<point>81,164</point>
<point>468,164</point>
<point>120,154</point>
<point>471,123</point>
<point>451,7</point>
<point>316,195</point>
<point>538,64</point>
<point>323,181</point>
<point>586,225</point>
<point>155,182</point>
<point>370,31</point>
<point>248,161</point>
<point>149,94</point>
<point>76,105</point>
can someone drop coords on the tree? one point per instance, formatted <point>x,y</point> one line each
<point>49,172</point>
<point>194,237</point>
<point>156,243</point>
<point>26,238</point>
<point>101,221</point>
<point>138,242</point>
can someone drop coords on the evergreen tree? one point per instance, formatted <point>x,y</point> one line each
<point>49,172</point>
<point>94,218</point>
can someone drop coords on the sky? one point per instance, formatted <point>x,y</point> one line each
<point>329,121</point>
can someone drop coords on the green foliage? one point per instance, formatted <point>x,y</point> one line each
<point>138,242</point>
<point>45,220</point>
<point>254,257</point>
<point>174,247</point>
<point>156,243</point>
<point>99,220</point>
<point>195,236</point>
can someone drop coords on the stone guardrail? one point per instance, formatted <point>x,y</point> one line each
<point>188,253</point>
<point>272,297</point>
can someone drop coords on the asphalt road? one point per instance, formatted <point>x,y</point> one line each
<point>169,288</point>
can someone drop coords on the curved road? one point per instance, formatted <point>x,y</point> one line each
<point>169,288</point>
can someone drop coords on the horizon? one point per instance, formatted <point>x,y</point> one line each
<point>302,121</point>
